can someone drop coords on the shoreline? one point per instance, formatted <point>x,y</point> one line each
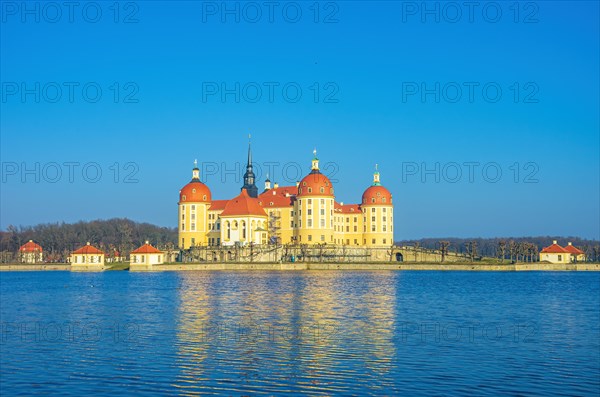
<point>316,266</point>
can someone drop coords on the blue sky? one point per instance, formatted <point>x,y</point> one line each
<point>380,82</point>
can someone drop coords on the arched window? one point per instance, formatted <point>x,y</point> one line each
<point>228,228</point>
<point>244,230</point>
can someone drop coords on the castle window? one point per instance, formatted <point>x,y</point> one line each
<point>347,229</point>
<point>384,210</point>
<point>373,200</point>
<point>310,237</point>
<point>309,212</point>
<point>331,190</point>
<point>355,229</point>
<point>303,183</point>
<point>183,227</point>
<point>300,191</point>
<point>309,201</point>
<point>183,198</point>
<point>322,190</point>
<point>372,219</point>
<point>384,241</point>
<point>384,228</point>
<point>204,197</point>
<point>385,218</point>
<point>373,228</point>
<point>310,223</point>
<point>373,210</point>
<point>310,190</point>
<point>193,227</point>
<point>356,241</point>
<point>378,194</point>
<point>193,245</point>
<point>323,212</point>
<point>193,216</point>
<point>383,200</point>
<point>374,241</point>
<point>193,190</point>
<point>193,208</point>
<point>322,223</point>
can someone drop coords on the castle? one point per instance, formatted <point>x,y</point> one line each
<point>307,213</point>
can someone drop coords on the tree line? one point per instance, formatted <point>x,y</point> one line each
<point>58,240</point>
<point>517,249</point>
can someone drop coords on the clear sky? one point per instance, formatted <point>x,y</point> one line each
<point>443,97</point>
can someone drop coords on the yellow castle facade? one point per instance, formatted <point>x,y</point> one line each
<point>306,213</point>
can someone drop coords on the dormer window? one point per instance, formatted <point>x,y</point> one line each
<point>204,197</point>
<point>322,190</point>
<point>193,190</point>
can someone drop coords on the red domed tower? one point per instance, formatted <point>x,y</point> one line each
<point>194,201</point>
<point>378,212</point>
<point>314,208</point>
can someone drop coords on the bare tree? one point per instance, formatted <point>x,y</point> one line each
<point>444,249</point>
<point>502,250</point>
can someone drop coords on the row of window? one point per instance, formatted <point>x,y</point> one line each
<point>93,259</point>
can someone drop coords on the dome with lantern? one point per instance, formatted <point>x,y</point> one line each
<point>315,183</point>
<point>376,194</point>
<point>195,191</point>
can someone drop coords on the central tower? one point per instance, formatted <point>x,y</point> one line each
<point>249,177</point>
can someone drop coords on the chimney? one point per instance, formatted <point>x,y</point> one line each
<point>147,242</point>
<point>297,183</point>
<point>276,185</point>
<point>88,243</point>
<point>570,243</point>
<point>554,242</point>
<point>267,185</point>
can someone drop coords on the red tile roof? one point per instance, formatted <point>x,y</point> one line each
<point>554,249</point>
<point>573,250</point>
<point>147,249</point>
<point>315,184</point>
<point>282,197</point>
<point>218,205</point>
<point>243,205</point>
<point>377,193</point>
<point>88,249</point>
<point>351,209</point>
<point>195,192</point>
<point>30,246</point>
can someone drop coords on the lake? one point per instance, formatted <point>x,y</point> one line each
<point>300,333</point>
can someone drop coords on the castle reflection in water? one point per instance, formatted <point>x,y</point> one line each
<point>308,332</point>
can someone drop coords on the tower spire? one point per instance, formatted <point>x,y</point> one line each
<point>249,150</point>
<point>249,177</point>
<point>196,172</point>
<point>376,176</point>
<point>315,162</point>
